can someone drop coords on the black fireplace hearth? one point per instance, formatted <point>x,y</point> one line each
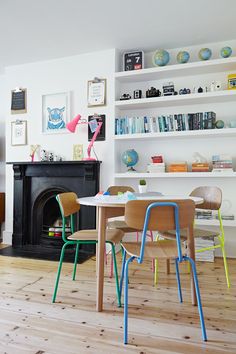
<point>37,219</point>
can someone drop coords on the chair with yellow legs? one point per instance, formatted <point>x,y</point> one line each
<point>212,197</point>
<point>159,216</point>
<point>69,206</point>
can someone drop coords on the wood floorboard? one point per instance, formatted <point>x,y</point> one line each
<point>158,323</point>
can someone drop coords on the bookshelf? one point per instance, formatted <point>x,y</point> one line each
<point>178,145</point>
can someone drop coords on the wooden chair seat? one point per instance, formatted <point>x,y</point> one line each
<point>121,225</point>
<point>114,236</point>
<point>196,233</point>
<point>161,249</point>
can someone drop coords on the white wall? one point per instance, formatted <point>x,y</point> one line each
<point>2,141</point>
<point>67,74</point>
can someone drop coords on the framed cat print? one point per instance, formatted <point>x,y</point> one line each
<point>55,112</point>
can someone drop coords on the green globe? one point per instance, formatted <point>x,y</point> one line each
<point>183,57</point>
<point>161,57</point>
<point>130,158</point>
<point>205,54</point>
<point>226,52</point>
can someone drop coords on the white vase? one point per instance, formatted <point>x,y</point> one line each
<point>142,189</point>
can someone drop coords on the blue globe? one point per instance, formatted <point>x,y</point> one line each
<point>161,57</point>
<point>204,54</point>
<point>130,158</point>
<point>183,57</point>
<point>226,52</point>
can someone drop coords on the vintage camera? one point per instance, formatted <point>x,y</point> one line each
<point>137,94</point>
<point>125,96</point>
<point>169,89</point>
<point>153,92</point>
<point>184,91</point>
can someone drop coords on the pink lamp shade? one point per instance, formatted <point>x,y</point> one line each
<point>71,126</point>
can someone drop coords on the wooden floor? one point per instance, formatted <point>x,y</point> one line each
<point>158,323</point>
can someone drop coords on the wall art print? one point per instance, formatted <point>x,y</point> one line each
<point>55,112</point>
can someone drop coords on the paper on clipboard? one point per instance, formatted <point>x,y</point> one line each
<point>96,93</point>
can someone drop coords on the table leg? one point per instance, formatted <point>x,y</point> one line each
<point>191,250</point>
<point>100,256</point>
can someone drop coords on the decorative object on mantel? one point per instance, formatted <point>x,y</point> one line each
<point>33,150</point>
<point>205,53</point>
<point>161,57</point>
<point>95,127</point>
<point>96,92</point>
<point>49,156</point>
<point>18,101</point>
<point>130,159</point>
<point>226,52</point>
<point>78,153</point>
<point>19,132</point>
<point>55,112</point>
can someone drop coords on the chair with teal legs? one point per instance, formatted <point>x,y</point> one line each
<point>212,197</point>
<point>159,216</point>
<point>69,206</point>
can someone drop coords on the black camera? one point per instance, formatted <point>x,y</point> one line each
<point>153,92</point>
<point>125,96</point>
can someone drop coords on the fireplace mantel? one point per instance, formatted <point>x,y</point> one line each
<point>33,179</point>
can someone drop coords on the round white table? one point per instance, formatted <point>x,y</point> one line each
<point>112,206</point>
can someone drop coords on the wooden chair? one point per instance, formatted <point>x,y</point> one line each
<point>69,206</point>
<point>160,216</point>
<point>212,201</point>
<point>121,224</point>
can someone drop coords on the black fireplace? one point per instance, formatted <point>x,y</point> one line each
<point>37,219</point>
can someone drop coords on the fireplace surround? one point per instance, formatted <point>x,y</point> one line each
<point>36,211</point>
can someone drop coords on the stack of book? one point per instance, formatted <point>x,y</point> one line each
<point>178,167</point>
<point>204,214</point>
<point>222,163</point>
<point>156,167</point>
<point>200,167</point>
<point>206,256</point>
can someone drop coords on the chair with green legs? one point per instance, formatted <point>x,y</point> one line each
<point>69,206</point>
<point>212,197</point>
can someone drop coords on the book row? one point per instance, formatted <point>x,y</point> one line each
<point>172,122</point>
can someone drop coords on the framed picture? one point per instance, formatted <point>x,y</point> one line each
<point>18,101</point>
<point>55,112</point>
<point>97,92</point>
<point>102,134</point>
<point>19,132</point>
<point>78,152</point>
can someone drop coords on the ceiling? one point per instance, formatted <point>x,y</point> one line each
<point>33,30</point>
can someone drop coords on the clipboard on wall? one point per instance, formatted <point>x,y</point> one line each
<point>19,101</point>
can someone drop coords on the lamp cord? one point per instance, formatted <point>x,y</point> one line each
<point>95,153</point>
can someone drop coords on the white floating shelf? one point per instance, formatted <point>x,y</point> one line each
<point>196,68</point>
<point>226,132</point>
<point>178,100</point>
<point>214,222</point>
<point>177,175</point>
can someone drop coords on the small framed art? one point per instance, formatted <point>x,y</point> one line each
<point>55,112</point>
<point>18,101</point>
<point>19,132</point>
<point>97,92</point>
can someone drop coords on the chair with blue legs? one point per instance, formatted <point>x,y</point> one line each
<point>69,207</point>
<point>159,216</point>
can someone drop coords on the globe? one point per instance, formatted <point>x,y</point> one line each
<point>161,57</point>
<point>183,57</point>
<point>130,158</point>
<point>226,52</point>
<point>204,54</point>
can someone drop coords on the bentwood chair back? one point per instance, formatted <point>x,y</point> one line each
<point>160,216</point>
<point>212,197</point>
<point>114,190</point>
